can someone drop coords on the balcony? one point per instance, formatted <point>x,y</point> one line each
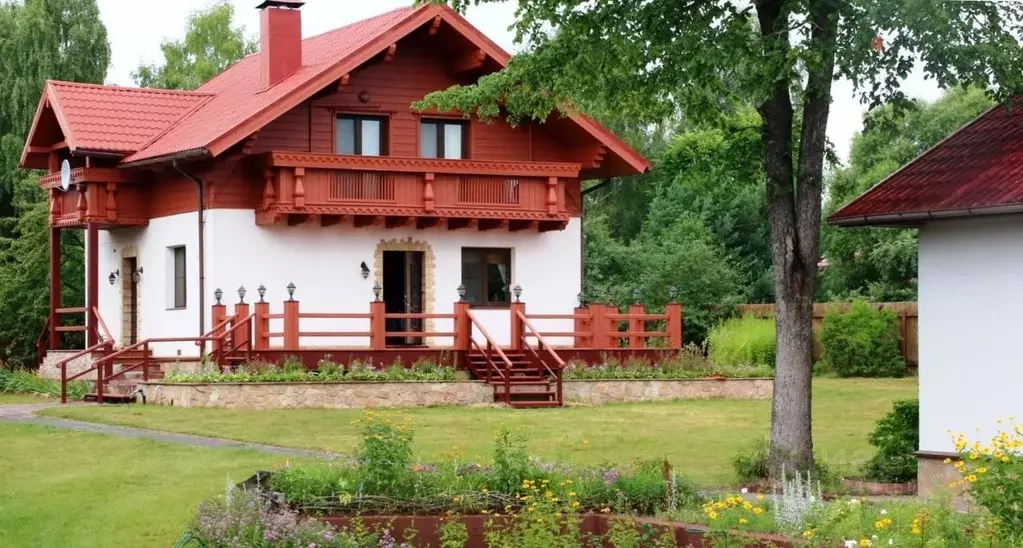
<point>424,192</point>
<point>104,196</point>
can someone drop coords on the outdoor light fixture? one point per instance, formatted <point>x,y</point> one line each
<point>672,293</point>
<point>364,97</point>
<point>635,296</point>
<point>218,294</point>
<point>114,275</point>
<point>517,291</point>
<point>581,299</point>
<point>241,295</point>
<point>291,291</point>
<point>461,293</point>
<point>137,275</point>
<point>376,291</point>
<point>365,270</point>
<point>262,292</point>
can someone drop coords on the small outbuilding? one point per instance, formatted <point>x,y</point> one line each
<point>965,195</point>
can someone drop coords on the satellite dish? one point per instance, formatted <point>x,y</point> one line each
<point>65,175</point>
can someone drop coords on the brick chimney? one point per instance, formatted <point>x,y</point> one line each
<point>280,40</point>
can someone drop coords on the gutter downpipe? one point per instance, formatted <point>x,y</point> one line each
<point>201,215</point>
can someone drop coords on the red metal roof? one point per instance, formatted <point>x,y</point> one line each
<point>977,170</point>
<point>233,105</point>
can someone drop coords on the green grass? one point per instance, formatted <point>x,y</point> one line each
<point>62,488</point>
<point>699,437</point>
<point>9,398</point>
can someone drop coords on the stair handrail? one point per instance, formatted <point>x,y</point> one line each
<point>487,355</point>
<point>102,333</point>
<point>62,365</point>
<point>248,340</point>
<point>212,336</point>
<point>530,331</point>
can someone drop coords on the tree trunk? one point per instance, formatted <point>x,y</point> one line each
<point>794,210</point>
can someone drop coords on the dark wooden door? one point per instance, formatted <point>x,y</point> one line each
<point>131,298</point>
<point>414,292</point>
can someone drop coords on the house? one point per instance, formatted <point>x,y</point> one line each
<point>965,195</point>
<point>302,174</point>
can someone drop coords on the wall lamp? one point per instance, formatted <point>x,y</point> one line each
<point>365,270</point>
<point>113,276</point>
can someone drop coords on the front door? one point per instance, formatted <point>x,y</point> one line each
<point>130,299</point>
<point>403,294</point>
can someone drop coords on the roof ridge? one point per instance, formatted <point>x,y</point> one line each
<point>409,9</point>
<point>132,89</point>
<point>199,104</point>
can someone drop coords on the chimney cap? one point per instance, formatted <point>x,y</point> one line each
<point>291,4</point>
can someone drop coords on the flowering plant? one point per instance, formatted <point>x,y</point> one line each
<point>993,473</point>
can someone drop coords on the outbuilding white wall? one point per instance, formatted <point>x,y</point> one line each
<point>971,327</point>
<point>324,264</point>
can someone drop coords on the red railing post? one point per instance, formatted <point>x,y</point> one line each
<point>674,325</point>
<point>463,328</point>
<point>262,331</point>
<point>100,379</point>
<point>291,324</point>
<point>217,316</point>
<point>517,329</point>
<point>636,325</point>
<point>55,287</point>
<point>598,326</point>
<point>377,325</point>
<point>145,362</point>
<point>63,382</point>
<point>242,335</point>
<point>582,323</point>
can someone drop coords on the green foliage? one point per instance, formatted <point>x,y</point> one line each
<point>20,381</point>
<point>863,342</point>
<point>897,438</point>
<point>690,363</point>
<point>385,455</point>
<point>210,46</point>
<point>993,472</point>
<point>880,264</point>
<point>292,370</point>
<point>453,534</point>
<point>746,341</point>
<point>751,464</point>
<point>511,463</point>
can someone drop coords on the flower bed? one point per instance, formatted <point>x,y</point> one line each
<point>689,363</point>
<point>326,372</point>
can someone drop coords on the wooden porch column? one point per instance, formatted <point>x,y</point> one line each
<point>377,326</point>
<point>54,342</point>
<point>463,329</point>
<point>92,284</point>
<point>243,334</point>
<point>674,327</point>
<point>517,326</point>
<point>582,324</point>
<point>598,326</point>
<point>636,341</point>
<point>291,324</point>
<point>262,331</point>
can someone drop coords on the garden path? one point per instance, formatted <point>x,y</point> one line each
<point>25,413</point>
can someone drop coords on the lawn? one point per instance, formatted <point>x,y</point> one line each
<point>8,398</point>
<point>63,488</point>
<point>699,437</point>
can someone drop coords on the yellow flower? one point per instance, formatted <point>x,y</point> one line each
<point>743,520</point>
<point>916,531</point>
<point>758,510</point>
<point>760,497</point>
<point>878,525</point>
<point>948,461</point>
<point>571,493</point>
<point>1005,459</point>
<point>807,534</point>
<point>973,455</point>
<point>971,478</point>
<point>712,515</point>
<point>864,542</point>
<point>982,470</point>
<point>530,509</point>
<point>747,505</point>
<point>575,504</point>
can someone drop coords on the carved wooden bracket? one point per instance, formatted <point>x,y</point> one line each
<point>552,196</point>
<point>299,187</point>
<point>428,197</point>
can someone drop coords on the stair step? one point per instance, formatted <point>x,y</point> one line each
<point>110,398</point>
<point>534,404</point>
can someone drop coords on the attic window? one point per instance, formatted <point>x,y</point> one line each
<point>360,135</point>
<point>443,139</point>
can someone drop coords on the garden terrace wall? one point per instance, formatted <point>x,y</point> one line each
<point>354,395</point>
<point>427,529</point>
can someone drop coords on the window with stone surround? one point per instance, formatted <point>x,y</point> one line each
<point>177,295</point>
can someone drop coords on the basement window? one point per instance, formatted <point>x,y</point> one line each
<point>177,295</point>
<point>486,275</point>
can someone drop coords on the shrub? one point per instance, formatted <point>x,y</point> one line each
<point>385,453</point>
<point>863,342</point>
<point>993,472</point>
<point>20,381</point>
<point>746,341</point>
<point>896,437</point>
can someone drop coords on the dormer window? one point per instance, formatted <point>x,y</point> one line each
<point>360,135</point>
<point>443,139</point>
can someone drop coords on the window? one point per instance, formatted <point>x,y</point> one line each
<point>443,139</point>
<point>178,297</point>
<point>360,135</point>
<point>486,274</point>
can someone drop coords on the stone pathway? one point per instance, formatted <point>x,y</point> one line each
<point>25,413</point>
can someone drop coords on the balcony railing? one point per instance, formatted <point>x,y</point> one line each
<point>382,187</point>
<point>106,196</point>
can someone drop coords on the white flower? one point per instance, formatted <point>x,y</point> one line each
<point>891,542</point>
<point>745,491</point>
<point>854,502</point>
<point>884,512</point>
<point>851,544</point>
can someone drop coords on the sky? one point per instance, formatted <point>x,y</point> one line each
<point>137,27</point>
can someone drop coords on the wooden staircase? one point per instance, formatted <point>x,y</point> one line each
<point>122,388</point>
<point>527,386</point>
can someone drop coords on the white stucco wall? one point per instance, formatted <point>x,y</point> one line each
<point>324,264</point>
<point>971,327</point>
<point>157,317</point>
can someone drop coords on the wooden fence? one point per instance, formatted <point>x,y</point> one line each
<point>908,324</point>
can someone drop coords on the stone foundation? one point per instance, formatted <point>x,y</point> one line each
<point>933,478</point>
<point>49,370</point>
<point>346,395</point>
<point>599,392</point>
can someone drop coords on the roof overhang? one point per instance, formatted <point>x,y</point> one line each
<point>916,218</point>
<point>32,155</point>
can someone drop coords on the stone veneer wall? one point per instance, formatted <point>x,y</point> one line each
<point>599,392</point>
<point>933,478</point>
<point>49,370</point>
<point>353,395</point>
<point>344,395</point>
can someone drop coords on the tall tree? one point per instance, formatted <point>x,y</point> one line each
<point>647,59</point>
<point>879,264</point>
<point>211,44</point>
<point>39,40</point>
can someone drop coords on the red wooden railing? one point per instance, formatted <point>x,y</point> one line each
<point>553,371</point>
<point>501,367</point>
